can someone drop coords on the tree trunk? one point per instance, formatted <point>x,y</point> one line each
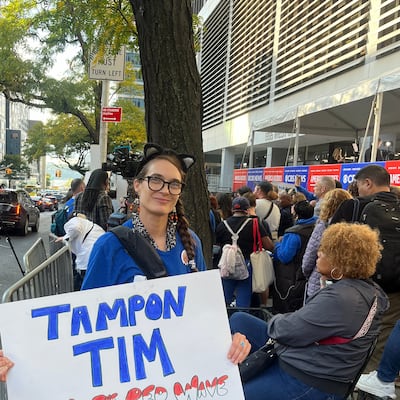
<point>172,92</point>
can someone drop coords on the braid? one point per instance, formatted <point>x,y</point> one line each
<point>183,229</point>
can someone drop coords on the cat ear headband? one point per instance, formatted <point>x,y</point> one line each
<point>152,150</point>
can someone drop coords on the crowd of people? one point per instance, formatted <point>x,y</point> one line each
<point>331,297</point>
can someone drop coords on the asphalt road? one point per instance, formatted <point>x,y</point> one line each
<point>10,272</point>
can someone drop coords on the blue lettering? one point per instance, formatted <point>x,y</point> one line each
<point>93,347</point>
<point>52,312</point>
<point>124,375</point>
<point>170,302</point>
<point>153,308</point>
<point>141,349</point>
<point>105,312</point>
<point>80,317</point>
<point>136,303</point>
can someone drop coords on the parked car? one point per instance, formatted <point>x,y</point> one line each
<point>38,202</point>
<point>18,212</point>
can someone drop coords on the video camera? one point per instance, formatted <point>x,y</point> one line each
<point>123,161</point>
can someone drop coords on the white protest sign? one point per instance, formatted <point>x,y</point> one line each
<point>159,339</point>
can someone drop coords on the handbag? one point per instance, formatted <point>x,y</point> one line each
<point>258,361</point>
<point>261,261</point>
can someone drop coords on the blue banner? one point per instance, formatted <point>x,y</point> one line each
<point>290,174</point>
<point>348,171</point>
<point>254,176</point>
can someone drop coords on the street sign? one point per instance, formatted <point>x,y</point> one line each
<point>111,114</point>
<point>109,67</point>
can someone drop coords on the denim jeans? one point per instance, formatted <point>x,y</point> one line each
<point>273,383</point>
<point>242,289</point>
<point>389,365</point>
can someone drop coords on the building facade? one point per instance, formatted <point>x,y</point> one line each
<point>285,82</point>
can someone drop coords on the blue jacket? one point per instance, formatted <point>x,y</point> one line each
<point>109,263</point>
<point>287,249</point>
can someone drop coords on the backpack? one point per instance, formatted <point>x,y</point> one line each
<point>59,218</point>
<point>232,264</point>
<point>384,216</point>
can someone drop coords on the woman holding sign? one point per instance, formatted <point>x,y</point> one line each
<point>160,222</point>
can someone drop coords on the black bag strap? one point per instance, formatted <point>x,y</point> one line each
<point>87,233</point>
<point>141,251</point>
<point>270,211</point>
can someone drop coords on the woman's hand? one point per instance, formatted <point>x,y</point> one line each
<point>5,365</point>
<point>240,348</point>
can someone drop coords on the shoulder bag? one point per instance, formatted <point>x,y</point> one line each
<point>141,251</point>
<point>258,361</point>
<point>261,262</point>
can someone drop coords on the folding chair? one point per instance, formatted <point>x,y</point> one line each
<point>352,385</point>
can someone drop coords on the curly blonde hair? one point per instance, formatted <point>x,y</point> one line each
<point>354,249</point>
<point>332,200</point>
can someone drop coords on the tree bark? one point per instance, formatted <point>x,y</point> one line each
<point>172,92</point>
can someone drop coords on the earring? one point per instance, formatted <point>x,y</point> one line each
<point>173,216</point>
<point>336,278</point>
<point>136,205</point>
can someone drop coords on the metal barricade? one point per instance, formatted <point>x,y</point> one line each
<point>53,245</point>
<point>35,255</point>
<point>53,276</point>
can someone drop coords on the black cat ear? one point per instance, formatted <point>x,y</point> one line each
<point>151,149</point>
<point>187,160</point>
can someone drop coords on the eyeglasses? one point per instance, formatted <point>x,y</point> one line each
<point>156,184</point>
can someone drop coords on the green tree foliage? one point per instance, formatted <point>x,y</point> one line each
<point>16,164</point>
<point>130,130</point>
<point>66,138</point>
<point>36,144</point>
<point>33,32</point>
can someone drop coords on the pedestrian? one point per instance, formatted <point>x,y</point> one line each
<point>77,186</point>
<point>94,202</point>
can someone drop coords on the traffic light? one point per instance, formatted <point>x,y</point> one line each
<point>58,173</point>
<point>8,171</point>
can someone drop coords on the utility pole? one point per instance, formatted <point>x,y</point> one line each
<point>103,138</point>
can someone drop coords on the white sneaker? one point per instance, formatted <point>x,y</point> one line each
<point>370,383</point>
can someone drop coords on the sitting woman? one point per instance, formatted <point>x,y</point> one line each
<point>322,346</point>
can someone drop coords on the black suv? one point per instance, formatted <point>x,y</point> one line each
<point>18,211</point>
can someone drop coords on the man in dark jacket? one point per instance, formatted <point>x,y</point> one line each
<point>288,293</point>
<point>373,183</point>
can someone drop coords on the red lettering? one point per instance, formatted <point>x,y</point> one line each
<point>222,379</point>
<point>148,390</point>
<point>133,394</point>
